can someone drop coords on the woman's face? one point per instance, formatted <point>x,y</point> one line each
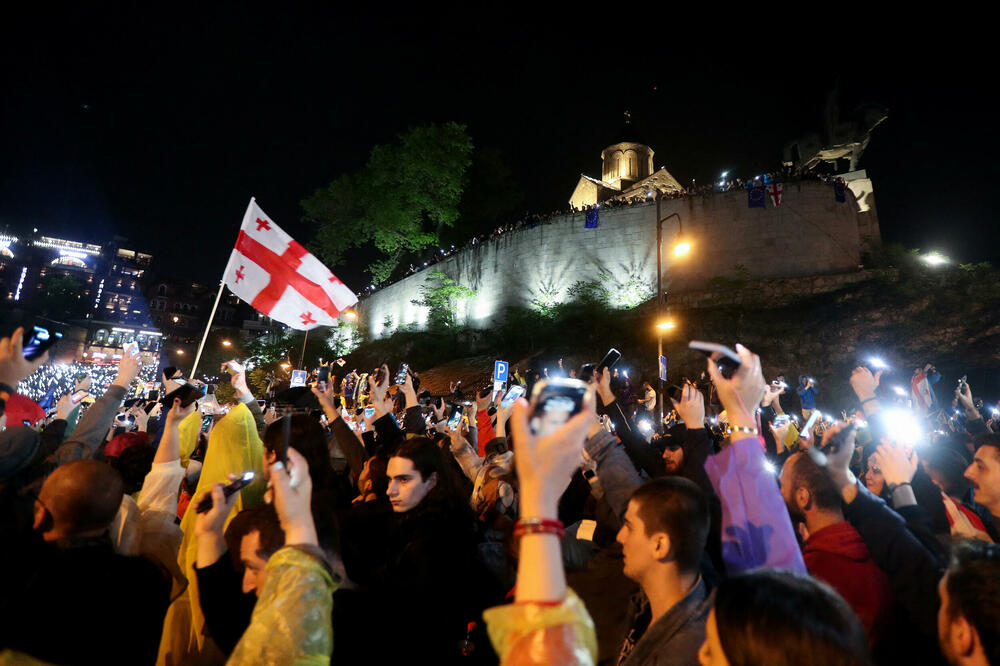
<point>874,480</point>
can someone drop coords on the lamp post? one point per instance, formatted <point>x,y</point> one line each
<point>680,249</point>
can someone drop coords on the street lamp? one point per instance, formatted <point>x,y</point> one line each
<point>180,352</point>
<point>350,314</point>
<point>934,259</point>
<point>681,248</point>
<point>666,325</point>
<point>226,343</point>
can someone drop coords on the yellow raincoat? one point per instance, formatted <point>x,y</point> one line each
<point>540,634</point>
<point>233,448</point>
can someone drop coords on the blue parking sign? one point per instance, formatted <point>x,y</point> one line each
<point>663,368</point>
<point>500,369</point>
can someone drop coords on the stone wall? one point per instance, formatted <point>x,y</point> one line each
<point>810,234</point>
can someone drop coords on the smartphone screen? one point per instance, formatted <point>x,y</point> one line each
<point>781,420</point>
<point>37,341</point>
<point>455,417</point>
<point>807,428</point>
<point>513,394</point>
<point>130,349</point>
<point>610,359</point>
<point>553,402</point>
<point>79,396</point>
<point>206,422</point>
<point>404,368</point>
<point>369,412</point>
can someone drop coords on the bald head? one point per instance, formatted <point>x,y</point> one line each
<point>82,498</point>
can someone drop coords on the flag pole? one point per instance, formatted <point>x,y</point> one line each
<point>211,317</point>
<point>218,296</point>
<point>302,357</point>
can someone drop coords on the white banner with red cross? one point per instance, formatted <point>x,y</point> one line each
<point>276,275</point>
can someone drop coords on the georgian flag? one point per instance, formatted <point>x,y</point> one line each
<point>775,191</point>
<point>269,270</point>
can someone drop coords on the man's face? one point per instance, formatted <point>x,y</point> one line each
<point>638,549</point>
<point>255,567</point>
<point>673,458</point>
<point>787,492</point>
<point>984,473</point>
<point>407,487</point>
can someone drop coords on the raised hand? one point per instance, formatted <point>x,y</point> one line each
<point>292,495</point>
<point>691,407</point>
<point>128,370</point>
<point>65,406</point>
<point>741,394</point>
<point>13,366</point>
<point>545,465</point>
<point>214,520</point>
<point>898,466</point>
<point>864,382</point>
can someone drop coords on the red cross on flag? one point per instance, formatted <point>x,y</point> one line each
<point>276,275</point>
<point>775,191</point>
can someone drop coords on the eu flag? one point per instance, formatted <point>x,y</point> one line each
<point>591,222</point>
<point>755,197</point>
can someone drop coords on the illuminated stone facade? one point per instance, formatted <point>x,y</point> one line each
<point>809,234</point>
<point>626,172</point>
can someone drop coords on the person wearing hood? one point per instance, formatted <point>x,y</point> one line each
<point>834,551</point>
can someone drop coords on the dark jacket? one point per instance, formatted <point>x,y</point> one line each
<point>675,638</point>
<point>79,602</point>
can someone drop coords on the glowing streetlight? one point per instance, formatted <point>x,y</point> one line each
<point>682,248</point>
<point>227,343</point>
<point>934,259</point>
<point>666,325</point>
<point>180,352</point>
<point>350,314</point>
<point>176,319</point>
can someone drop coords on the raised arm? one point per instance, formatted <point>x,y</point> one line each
<point>756,529</point>
<point>94,425</point>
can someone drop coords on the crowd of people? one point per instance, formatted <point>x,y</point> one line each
<point>364,520</point>
<point>56,379</point>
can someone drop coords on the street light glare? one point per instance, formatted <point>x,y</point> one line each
<point>682,248</point>
<point>226,343</point>
<point>351,315</point>
<point>666,325</point>
<point>934,259</point>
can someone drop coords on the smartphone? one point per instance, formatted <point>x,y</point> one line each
<point>38,340</point>
<point>341,362</point>
<point>369,412</point>
<point>513,393</point>
<point>553,402</point>
<point>455,418</point>
<point>232,367</point>
<point>609,360</point>
<point>130,348</point>
<point>404,369</point>
<point>262,403</point>
<point>188,393</point>
<point>153,395</point>
<point>838,440</point>
<point>962,382</point>
<point>206,422</point>
<point>727,359</point>
<point>807,428</point>
<point>78,397</point>
<point>380,377</point>
<point>227,490</point>
<point>781,420</point>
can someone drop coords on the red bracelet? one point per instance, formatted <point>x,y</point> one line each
<point>539,526</point>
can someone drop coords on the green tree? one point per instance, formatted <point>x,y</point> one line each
<point>400,201</point>
<point>440,294</point>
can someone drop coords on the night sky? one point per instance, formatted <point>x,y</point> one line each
<point>160,124</point>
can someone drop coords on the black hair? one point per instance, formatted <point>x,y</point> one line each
<point>780,618</point>
<point>805,473</point>
<point>677,506</point>
<point>306,436</point>
<point>973,584</point>
<point>262,519</point>
<point>134,464</point>
<point>427,458</point>
<point>949,466</point>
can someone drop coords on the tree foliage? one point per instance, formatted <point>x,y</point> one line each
<point>441,295</point>
<point>401,200</point>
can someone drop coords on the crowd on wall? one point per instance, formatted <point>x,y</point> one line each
<point>362,520</point>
